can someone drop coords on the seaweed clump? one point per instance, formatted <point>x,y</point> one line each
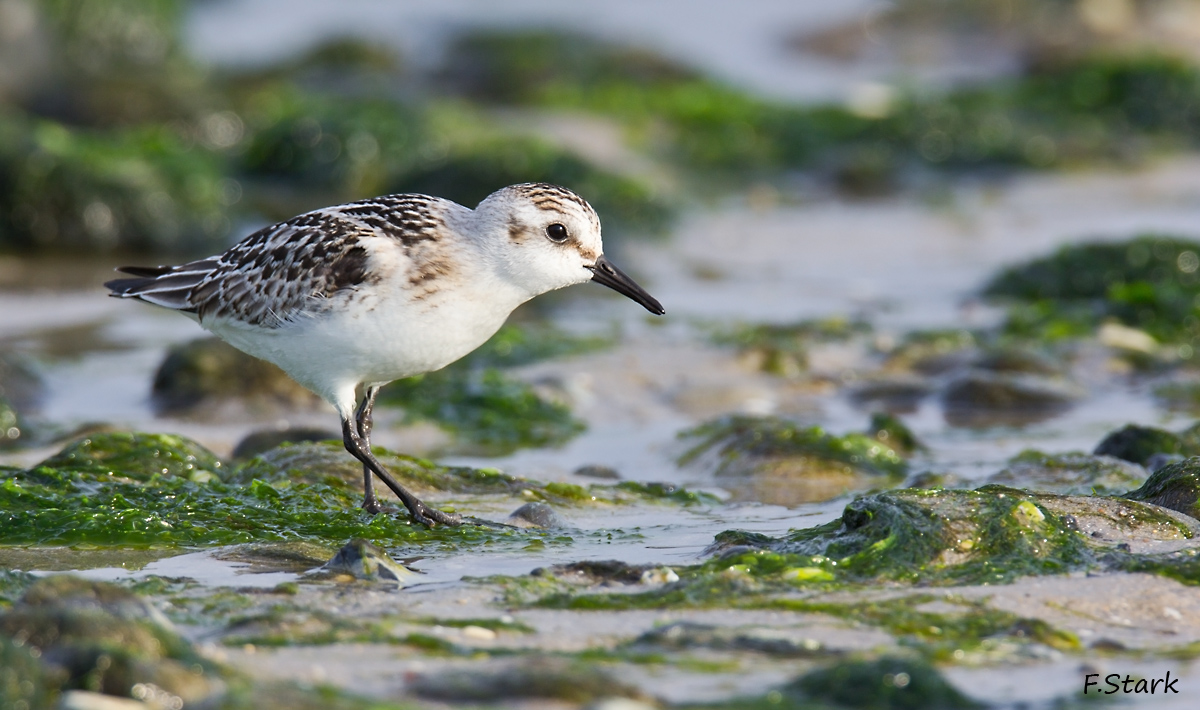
<point>141,490</point>
<point>775,460</point>
<point>1149,283</point>
<point>486,409</point>
<point>1175,486</point>
<point>1129,105</point>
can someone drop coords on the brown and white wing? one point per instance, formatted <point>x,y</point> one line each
<point>292,268</point>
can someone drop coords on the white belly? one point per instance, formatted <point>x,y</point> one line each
<point>373,343</point>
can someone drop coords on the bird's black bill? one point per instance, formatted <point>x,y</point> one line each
<point>605,274</point>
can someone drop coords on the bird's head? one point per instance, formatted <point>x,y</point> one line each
<point>546,237</point>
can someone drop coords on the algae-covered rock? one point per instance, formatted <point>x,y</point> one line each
<point>362,560</point>
<point>1074,473</point>
<point>1175,486</point>
<point>781,643</point>
<point>90,636</point>
<point>981,398</point>
<point>777,461</point>
<point>344,145</point>
<point>526,678</point>
<point>202,374</point>
<point>782,349</point>
<point>150,489</point>
<point>891,431</point>
<point>141,188</point>
<point>289,556</point>
<point>488,411</point>
<point>138,457</point>
<point>896,393</point>
<point>992,534</point>
<point>893,683</point>
<point>1149,283</point>
<point>1140,443</point>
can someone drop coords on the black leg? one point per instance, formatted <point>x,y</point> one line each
<point>420,512</point>
<point>363,422</point>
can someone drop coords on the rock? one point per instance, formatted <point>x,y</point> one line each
<point>773,460</point>
<point>893,683</point>
<point>1017,360</point>
<point>601,472</point>
<point>262,557</point>
<point>138,456</point>
<point>603,573</point>
<point>890,431</point>
<point>1073,473</point>
<point>196,378</point>
<point>536,515</point>
<point>932,479</point>
<point>990,535</point>
<point>64,592</point>
<point>23,681</point>
<point>1139,443</point>
<point>781,643</point>
<point>1136,292</point>
<point>103,635</point>
<point>1175,486</point>
<point>981,399</point>
<point>263,440</point>
<point>365,561</point>
<point>535,677</point>
<point>897,393</point>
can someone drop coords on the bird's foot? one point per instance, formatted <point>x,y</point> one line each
<point>372,506</point>
<point>431,517</point>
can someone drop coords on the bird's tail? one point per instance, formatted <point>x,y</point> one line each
<point>166,286</point>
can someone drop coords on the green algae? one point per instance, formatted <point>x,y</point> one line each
<point>782,349</point>
<point>1139,444</point>
<point>473,170</point>
<point>891,431</point>
<point>491,412</point>
<point>348,146</point>
<point>67,634</point>
<point>487,410</point>
<point>1175,486</point>
<point>744,443</point>
<point>894,683</point>
<point>1027,121</point>
<point>135,456</point>
<point>534,677</point>
<point>144,188</point>
<point>81,496</point>
<point>992,535</point>
<point>1149,282</point>
<point>161,492</point>
<point>774,460</point>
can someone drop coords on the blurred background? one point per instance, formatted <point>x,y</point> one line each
<point>823,194</point>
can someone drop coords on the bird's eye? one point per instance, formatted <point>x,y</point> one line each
<point>556,232</point>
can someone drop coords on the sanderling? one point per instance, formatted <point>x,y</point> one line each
<point>372,291</point>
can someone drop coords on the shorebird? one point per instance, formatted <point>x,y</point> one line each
<point>361,294</point>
